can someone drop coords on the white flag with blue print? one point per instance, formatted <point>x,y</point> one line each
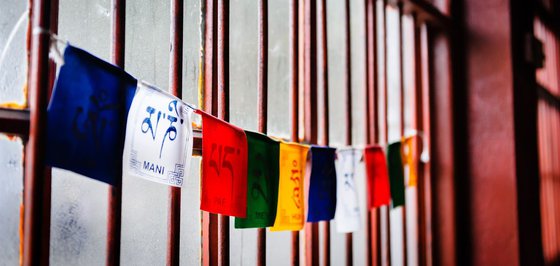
<point>347,214</point>
<point>159,137</point>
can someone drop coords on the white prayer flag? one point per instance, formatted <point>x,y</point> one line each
<point>159,137</point>
<point>347,214</point>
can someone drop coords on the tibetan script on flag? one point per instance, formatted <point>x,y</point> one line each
<point>321,197</point>
<point>86,117</point>
<point>159,141</point>
<point>290,212</point>
<point>224,167</point>
<point>348,208</point>
<point>262,181</point>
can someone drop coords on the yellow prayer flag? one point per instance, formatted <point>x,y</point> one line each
<point>290,214</point>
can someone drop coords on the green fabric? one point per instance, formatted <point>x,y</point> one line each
<point>262,181</point>
<point>396,173</point>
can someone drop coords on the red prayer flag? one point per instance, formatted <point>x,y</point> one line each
<point>377,177</point>
<point>224,167</point>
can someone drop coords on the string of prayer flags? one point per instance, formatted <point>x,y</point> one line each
<point>262,181</point>
<point>410,157</point>
<point>321,196</point>
<point>86,117</point>
<point>347,214</point>
<point>290,211</point>
<point>396,173</point>
<point>159,137</point>
<point>224,167</point>
<point>379,192</point>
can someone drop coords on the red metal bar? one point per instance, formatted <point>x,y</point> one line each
<point>417,124</point>
<point>348,72</point>
<point>36,187</point>
<point>348,90</point>
<point>310,112</point>
<point>442,155</point>
<point>372,126</point>
<point>385,128</point>
<point>46,220</point>
<point>310,71</point>
<point>262,105</point>
<point>223,112</point>
<point>209,220</point>
<point>115,191</point>
<point>324,121</point>
<point>402,117</point>
<point>294,56</point>
<point>175,82</point>
<point>54,29</point>
<point>426,108</point>
<point>294,83</point>
<point>324,73</point>
<point>210,77</point>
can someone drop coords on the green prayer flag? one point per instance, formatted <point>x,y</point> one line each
<point>262,181</point>
<point>396,173</point>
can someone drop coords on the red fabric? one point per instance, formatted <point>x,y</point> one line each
<point>224,167</point>
<point>379,192</point>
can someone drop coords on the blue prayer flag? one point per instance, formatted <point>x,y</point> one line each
<point>86,118</point>
<point>322,185</point>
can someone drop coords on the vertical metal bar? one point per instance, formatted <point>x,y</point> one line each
<point>175,82</point>
<point>310,113</point>
<point>54,29</point>
<point>417,124</point>
<point>385,129</point>
<point>223,112</point>
<point>348,72</point>
<point>210,77</point>
<point>46,219</point>
<point>262,105</point>
<point>115,191</point>
<point>310,71</point>
<point>294,46</point>
<point>209,220</point>
<point>348,90</point>
<point>36,187</point>
<point>294,83</point>
<point>402,117</point>
<point>325,117</point>
<point>324,122</point>
<point>372,125</point>
<point>526,145</point>
<point>426,122</point>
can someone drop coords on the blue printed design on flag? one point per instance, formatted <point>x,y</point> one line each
<point>158,143</point>
<point>322,185</point>
<point>86,118</point>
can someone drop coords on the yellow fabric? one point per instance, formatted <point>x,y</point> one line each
<point>409,159</point>
<point>290,214</point>
<point>13,105</point>
<point>16,105</point>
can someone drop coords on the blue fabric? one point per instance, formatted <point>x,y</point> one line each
<point>86,118</point>
<point>322,185</point>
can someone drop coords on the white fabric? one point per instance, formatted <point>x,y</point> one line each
<point>347,214</point>
<point>159,137</point>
